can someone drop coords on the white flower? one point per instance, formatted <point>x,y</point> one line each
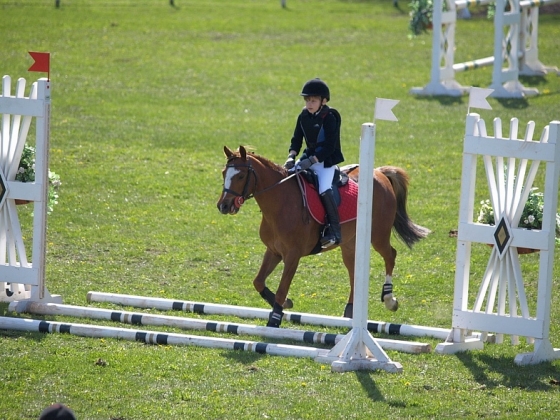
<point>531,218</point>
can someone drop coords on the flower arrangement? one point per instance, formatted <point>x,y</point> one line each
<point>531,217</point>
<point>26,173</point>
<point>422,12</point>
<point>420,16</point>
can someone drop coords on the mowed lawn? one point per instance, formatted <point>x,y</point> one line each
<point>144,97</point>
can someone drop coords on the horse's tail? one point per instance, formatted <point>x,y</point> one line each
<point>405,228</point>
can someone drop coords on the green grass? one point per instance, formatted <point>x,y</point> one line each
<point>144,97</point>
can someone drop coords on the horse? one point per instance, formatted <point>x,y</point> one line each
<point>289,233</point>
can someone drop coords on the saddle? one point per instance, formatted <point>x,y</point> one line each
<point>340,179</point>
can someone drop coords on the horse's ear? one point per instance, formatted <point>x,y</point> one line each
<point>228,152</point>
<point>243,152</point>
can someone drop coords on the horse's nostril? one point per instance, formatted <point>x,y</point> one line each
<point>223,208</point>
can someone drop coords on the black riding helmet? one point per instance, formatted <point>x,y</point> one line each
<point>316,87</point>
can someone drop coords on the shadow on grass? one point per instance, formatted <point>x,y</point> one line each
<point>533,80</point>
<point>444,99</point>
<point>32,335</point>
<point>364,378</point>
<point>495,371</point>
<point>510,103</point>
<point>242,357</point>
<point>369,386</point>
<point>513,103</point>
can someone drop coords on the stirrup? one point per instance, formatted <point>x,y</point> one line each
<point>328,239</point>
<point>328,242</point>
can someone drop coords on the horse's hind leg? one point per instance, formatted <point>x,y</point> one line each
<point>383,246</point>
<point>348,257</point>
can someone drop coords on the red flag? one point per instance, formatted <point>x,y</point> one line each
<point>42,62</point>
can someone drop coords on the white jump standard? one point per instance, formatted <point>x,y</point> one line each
<point>515,48</point>
<point>501,305</point>
<point>21,277</point>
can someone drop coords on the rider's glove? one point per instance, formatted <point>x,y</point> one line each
<point>304,164</point>
<point>290,163</point>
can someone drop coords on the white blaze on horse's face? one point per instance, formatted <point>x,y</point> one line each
<point>230,173</point>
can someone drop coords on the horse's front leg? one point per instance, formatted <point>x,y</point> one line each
<point>290,267</point>
<point>269,263</point>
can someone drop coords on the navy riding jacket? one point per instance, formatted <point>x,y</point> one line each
<point>321,132</point>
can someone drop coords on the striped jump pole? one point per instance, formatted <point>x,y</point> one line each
<point>248,312</point>
<point>135,318</point>
<point>154,337</point>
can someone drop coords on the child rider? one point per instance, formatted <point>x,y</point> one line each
<point>319,125</point>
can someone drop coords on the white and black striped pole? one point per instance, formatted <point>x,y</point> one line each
<point>163,304</point>
<point>136,318</point>
<point>154,337</point>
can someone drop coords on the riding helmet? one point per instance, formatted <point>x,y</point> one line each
<point>316,87</point>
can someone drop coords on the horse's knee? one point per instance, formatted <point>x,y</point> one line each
<point>258,285</point>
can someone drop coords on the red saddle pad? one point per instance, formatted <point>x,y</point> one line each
<point>348,208</point>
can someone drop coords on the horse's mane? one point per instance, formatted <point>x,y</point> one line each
<point>266,162</point>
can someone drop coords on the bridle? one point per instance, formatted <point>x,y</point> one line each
<point>246,195</point>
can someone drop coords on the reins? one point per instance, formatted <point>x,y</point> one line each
<point>276,184</point>
<point>246,187</point>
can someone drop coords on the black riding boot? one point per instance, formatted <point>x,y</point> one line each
<point>332,234</point>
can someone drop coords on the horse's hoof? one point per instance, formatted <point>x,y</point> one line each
<point>288,304</point>
<point>391,303</point>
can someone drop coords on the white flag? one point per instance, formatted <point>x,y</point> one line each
<point>383,109</point>
<point>477,98</point>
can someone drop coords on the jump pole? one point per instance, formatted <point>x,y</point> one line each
<point>154,337</point>
<point>136,318</point>
<point>248,312</point>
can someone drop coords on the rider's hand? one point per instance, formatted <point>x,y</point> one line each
<point>304,164</point>
<point>290,163</point>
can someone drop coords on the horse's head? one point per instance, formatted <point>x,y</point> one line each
<point>239,181</point>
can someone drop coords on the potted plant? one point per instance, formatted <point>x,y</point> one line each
<point>421,14</point>
<point>26,173</point>
<point>531,217</point>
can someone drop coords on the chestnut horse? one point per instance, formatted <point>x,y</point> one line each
<point>290,234</point>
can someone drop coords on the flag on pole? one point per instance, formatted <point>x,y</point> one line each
<point>383,109</point>
<point>477,98</point>
<point>42,62</point>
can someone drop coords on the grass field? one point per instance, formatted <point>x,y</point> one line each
<point>144,97</point>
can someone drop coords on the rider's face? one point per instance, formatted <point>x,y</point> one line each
<point>313,103</point>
